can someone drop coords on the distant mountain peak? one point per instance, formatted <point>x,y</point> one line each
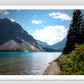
<point>44,44</point>
<point>58,45</point>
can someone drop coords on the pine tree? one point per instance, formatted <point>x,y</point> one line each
<point>75,32</point>
<point>82,33</point>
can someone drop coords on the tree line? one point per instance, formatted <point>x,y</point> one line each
<point>75,33</point>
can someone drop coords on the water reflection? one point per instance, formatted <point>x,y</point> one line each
<point>27,63</point>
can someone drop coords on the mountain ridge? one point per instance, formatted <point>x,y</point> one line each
<point>59,46</point>
<point>13,36</point>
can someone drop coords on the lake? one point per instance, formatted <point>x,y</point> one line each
<point>25,63</point>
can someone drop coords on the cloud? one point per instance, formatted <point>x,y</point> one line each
<point>12,20</point>
<point>50,34</point>
<point>59,15</point>
<point>30,31</point>
<point>4,12</point>
<point>34,15</point>
<point>18,9</point>
<point>42,25</point>
<point>36,22</point>
<point>28,27</point>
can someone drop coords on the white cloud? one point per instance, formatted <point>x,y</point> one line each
<point>61,16</point>
<point>4,12</point>
<point>12,20</point>
<point>36,22</point>
<point>50,34</point>
<point>18,9</point>
<point>28,27</point>
<point>30,31</point>
<point>42,25</point>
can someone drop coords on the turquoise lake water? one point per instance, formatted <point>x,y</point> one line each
<point>25,63</point>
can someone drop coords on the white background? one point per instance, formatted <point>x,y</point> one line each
<point>41,2</point>
<point>42,82</point>
<point>46,2</point>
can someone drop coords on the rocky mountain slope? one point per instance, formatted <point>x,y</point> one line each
<point>44,44</point>
<point>14,37</point>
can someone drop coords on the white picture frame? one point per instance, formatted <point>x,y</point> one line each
<point>26,5</point>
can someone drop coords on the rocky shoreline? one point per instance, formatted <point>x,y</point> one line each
<point>52,69</point>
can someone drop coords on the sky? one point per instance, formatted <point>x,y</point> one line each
<point>49,26</point>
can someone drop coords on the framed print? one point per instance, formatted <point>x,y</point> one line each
<point>41,42</point>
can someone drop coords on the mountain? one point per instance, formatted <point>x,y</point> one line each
<point>44,44</point>
<point>14,38</point>
<point>58,46</point>
<point>51,50</point>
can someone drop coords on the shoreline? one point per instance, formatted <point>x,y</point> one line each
<point>52,69</point>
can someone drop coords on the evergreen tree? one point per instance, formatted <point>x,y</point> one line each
<point>75,33</point>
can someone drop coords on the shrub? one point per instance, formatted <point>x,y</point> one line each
<point>74,65</point>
